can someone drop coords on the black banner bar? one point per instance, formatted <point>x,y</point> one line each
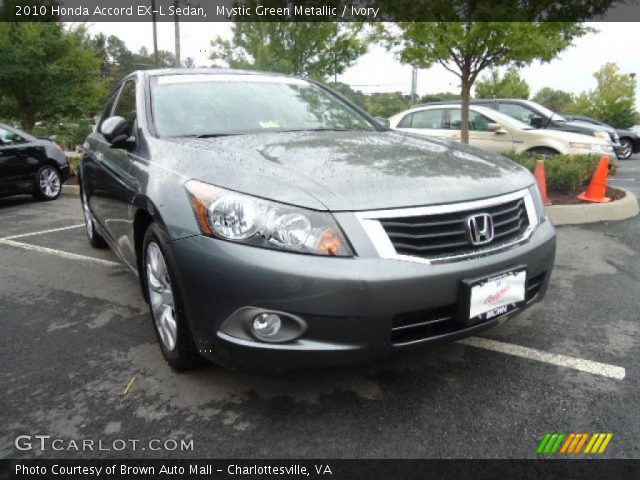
<point>541,469</point>
<point>319,11</point>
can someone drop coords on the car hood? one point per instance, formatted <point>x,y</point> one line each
<point>566,137</point>
<point>345,170</point>
<point>578,125</point>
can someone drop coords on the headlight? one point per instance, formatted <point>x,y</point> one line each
<point>596,147</point>
<point>263,223</point>
<point>537,201</point>
<point>601,135</point>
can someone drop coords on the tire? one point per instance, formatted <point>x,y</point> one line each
<point>627,149</point>
<point>165,302</point>
<point>544,151</point>
<point>95,239</point>
<point>47,183</point>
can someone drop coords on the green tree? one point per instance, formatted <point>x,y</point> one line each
<point>356,96</point>
<point>386,104</point>
<point>467,48</point>
<point>314,49</point>
<point>612,101</point>
<point>439,97</point>
<point>511,85</point>
<point>556,100</point>
<point>47,72</point>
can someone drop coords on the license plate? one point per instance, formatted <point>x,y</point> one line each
<point>495,296</point>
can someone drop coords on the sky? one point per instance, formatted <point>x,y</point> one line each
<point>379,71</point>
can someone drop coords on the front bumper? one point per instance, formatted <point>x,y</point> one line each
<point>350,305</point>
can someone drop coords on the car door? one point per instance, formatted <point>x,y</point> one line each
<point>480,135</point>
<point>113,188</point>
<point>19,160</point>
<point>425,122</point>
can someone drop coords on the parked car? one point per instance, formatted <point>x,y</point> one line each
<point>30,165</point>
<point>274,225</point>
<point>496,132</point>
<point>539,116</point>
<point>629,139</point>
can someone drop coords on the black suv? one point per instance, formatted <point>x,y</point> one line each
<point>629,140</point>
<point>539,116</point>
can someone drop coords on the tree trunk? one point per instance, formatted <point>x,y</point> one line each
<point>466,100</point>
<point>28,122</point>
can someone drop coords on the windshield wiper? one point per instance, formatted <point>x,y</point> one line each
<point>213,135</point>
<point>320,129</point>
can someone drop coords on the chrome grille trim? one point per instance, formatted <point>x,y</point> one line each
<point>370,221</point>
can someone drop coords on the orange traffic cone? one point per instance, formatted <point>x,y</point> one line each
<point>541,179</point>
<point>598,185</point>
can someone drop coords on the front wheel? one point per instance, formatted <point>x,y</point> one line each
<point>543,151</point>
<point>95,239</point>
<point>627,149</point>
<point>169,319</point>
<point>48,184</point>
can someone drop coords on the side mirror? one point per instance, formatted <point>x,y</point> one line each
<point>493,127</point>
<point>116,131</point>
<point>383,121</point>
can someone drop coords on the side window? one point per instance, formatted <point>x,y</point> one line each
<point>478,122</point>
<point>406,121</point>
<point>126,106</point>
<point>9,138</point>
<point>429,119</point>
<point>455,119</point>
<point>106,113</point>
<point>518,112</point>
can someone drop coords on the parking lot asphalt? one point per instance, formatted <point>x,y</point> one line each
<point>75,332</point>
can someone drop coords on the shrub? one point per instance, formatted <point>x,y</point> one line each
<point>566,174</point>
<point>74,162</point>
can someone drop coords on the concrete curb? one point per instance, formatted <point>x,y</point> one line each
<point>71,190</point>
<point>626,207</point>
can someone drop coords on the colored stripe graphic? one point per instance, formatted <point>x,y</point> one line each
<point>573,443</point>
<point>551,443</point>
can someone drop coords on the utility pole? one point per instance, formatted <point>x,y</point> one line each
<point>155,33</point>
<point>176,24</point>
<point>414,86</point>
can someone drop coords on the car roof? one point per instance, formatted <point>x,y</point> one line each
<point>207,71</point>
<point>431,106</point>
<point>476,101</point>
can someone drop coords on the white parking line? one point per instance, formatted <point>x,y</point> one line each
<point>42,232</point>
<point>59,253</point>
<point>595,368</point>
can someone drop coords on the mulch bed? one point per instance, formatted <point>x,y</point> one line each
<point>564,199</point>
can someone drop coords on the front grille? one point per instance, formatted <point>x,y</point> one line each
<point>445,234</point>
<point>424,324</point>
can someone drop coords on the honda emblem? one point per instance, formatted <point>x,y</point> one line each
<point>480,228</point>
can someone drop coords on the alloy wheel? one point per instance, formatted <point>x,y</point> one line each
<point>49,182</point>
<point>161,296</point>
<point>626,150</point>
<point>87,216</point>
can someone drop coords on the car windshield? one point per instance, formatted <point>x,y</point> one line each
<point>545,111</point>
<point>232,104</point>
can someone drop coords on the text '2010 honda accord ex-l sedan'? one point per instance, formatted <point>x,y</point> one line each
<point>275,226</point>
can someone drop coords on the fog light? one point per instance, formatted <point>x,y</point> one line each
<point>266,324</point>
